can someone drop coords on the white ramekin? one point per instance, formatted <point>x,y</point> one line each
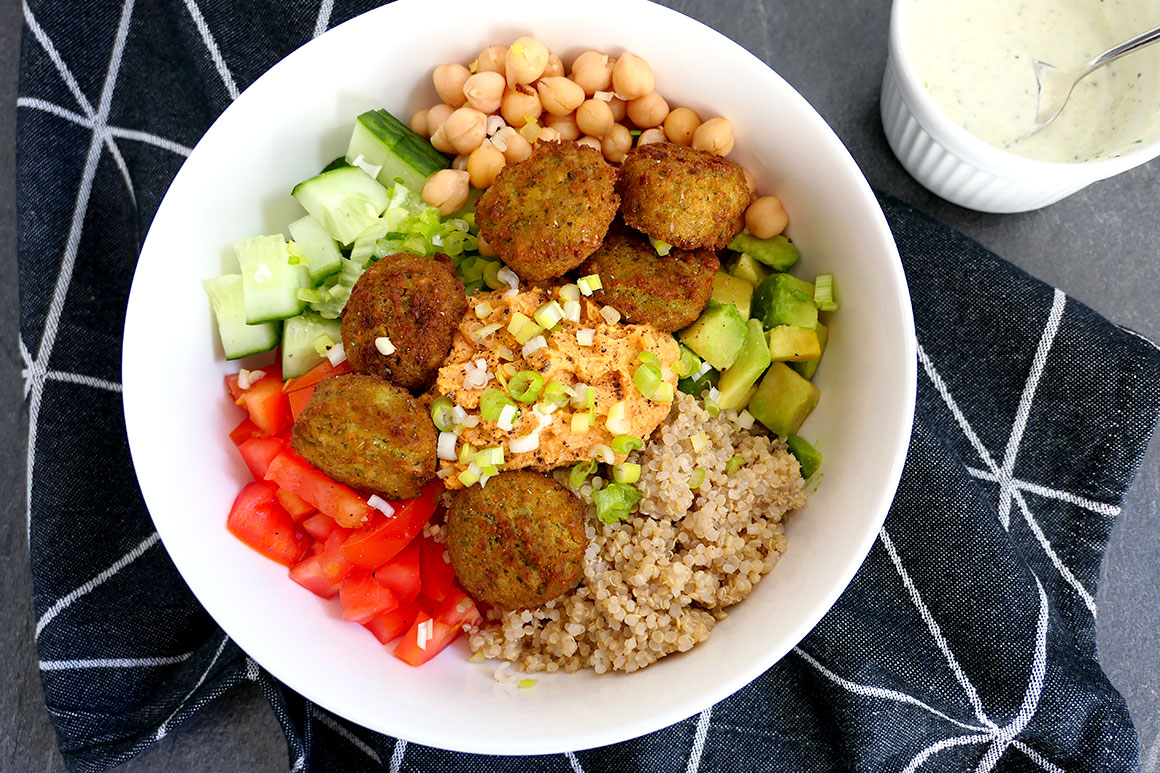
<point>960,167</point>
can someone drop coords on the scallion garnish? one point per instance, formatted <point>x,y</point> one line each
<point>826,293</point>
<point>441,409</point>
<point>525,386</point>
<point>626,444</point>
<point>492,402</point>
<point>697,478</point>
<point>615,501</point>
<point>580,472</point>
<point>626,472</point>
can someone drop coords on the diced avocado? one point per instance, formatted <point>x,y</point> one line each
<point>782,299</point>
<point>808,457</point>
<point>730,289</point>
<point>809,367</point>
<point>718,335</point>
<point>779,253</point>
<point>745,267</point>
<point>695,386</point>
<point>789,342</point>
<point>736,382</point>
<point>783,399</point>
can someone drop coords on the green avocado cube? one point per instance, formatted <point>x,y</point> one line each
<point>783,399</point>
<point>745,267</point>
<point>738,380</point>
<point>782,299</point>
<point>779,253</point>
<point>809,367</point>
<point>730,289</point>
<point>718,335</point>
<point>790,342</point>
<point>809,458</point>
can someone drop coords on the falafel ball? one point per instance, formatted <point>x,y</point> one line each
<point>367,434</point>
<point>416,304</point>
<point>687,197</point>
<point>669,292</point>
<point>546,214</point>
<point>517,542</point>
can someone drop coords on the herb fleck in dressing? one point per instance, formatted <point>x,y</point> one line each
<point>975,58</point>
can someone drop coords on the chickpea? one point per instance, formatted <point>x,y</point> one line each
<point>590,141</point>
<point>594,117</point>
<point>565,125</point>
<point>750,182</point>
<point>619,108</point>
<point>559,95</point>
<point>419,123</point>
<point>440,142</point>
<point>519,105</point>
<point>484,91</point>
<point>616,143</point>
<point>766,217</point>
<point>491,59</point>
<point>649,136</point>
<point>436,116</point>
<point>648,111</point>
<point>554,68</point>
<point>592,70</point>
<point>484,164</point>
<point>517,148</point>
<point>449,80</point>
<point>525,61</point>
<point>447,190</point>
<point>680,125</point>
<point>465,129</point>
<point>632,77</point>
<point>715,136</point>
<point>548,134</point>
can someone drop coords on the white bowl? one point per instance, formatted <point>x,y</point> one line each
<point>236,183</point>
<point>965,170</point>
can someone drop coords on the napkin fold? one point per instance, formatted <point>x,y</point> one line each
<point>966,641</point>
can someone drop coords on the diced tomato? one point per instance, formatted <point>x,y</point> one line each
<point>401,573</point>
<point>425,639</point>
<point>374,545</point>
<point>319,525</point>
<point>258,452</point>
<point>244,431</point>
<point>298,507</point>
<point>232,386</point>
<point>293,473</point>
<point>391,625</point>
<point>258,520</point>
<point>266,402</point>
<point>438,574</point>
<point>458,610</point>
<point>322,370</point>
<point>364,598</point>
<point>323,572</point>
<point>298,400</point>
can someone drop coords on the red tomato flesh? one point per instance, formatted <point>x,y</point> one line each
<point>437,572</point>
<point>458,610</point>
<point>322,573</point>
<point>298,400</point>
<point>319,525</point>
<point>258,452</point>
<point>425,639</point>
<point>322,370</point>
<point>244,431</point>
<point>401,573</point>
<point>374,545</point>
<point>298,507</point>
<point>258,520</point>
<point>266,403</point>
<point>391,625</point>
<point>293,473</point>
<point>363,598</point>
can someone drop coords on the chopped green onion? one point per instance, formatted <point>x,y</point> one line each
<point>491,275</point>
<point>527,684</point>
<point>615,501</point>
<point>590,398</point>
<point>478,657</point>
<point>634,132</point>
<point>323,344</point>
<point>482,309</point>
<point>549,315</point>
<point>441,410</point>
<point>711,406</point>
<point>589,284</point>
<point>525,386</point>
<point>697,478</point>
<point>466,454</point>
<point>649,357</point>
<point>507,418</point>
<point>617,421</point>
<point>580,472</point>
<point>662,247</point>
<point>581,421</point>
<point>556,394</point>
<point>523,328</point>
<point>489,457</point>
<point>626,444</point>
<point>468,477</point>
<point>491,404</point>
<point>734,464</point>
<point>647,378</point>
<point>626,472</point>
<point>826,293</point>
<point>689,363</point>
<point>699,441</point>
<point>662,394</point>
<point>570,292</point>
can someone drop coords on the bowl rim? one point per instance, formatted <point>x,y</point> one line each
<point>137,424</point>
<point>978,152</point>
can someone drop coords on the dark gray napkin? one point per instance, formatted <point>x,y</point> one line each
<point>966,641</point>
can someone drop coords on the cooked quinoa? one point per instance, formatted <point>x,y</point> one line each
<point>660,582</point>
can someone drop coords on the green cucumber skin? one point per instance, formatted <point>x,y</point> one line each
<point>383,140</point>
<point>298,337</point>
<point>238,338</point>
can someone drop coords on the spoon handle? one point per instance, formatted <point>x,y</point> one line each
<point>1127,47</point>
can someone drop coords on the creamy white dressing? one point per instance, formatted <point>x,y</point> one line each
<point>975,59</point>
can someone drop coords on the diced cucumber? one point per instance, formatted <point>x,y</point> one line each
<point>345,200</point>
<point>320,250</point>
<point>270,281</point>
<point>404,156</point>
<point>299,336</point>
<point>363,248</point>
<point>238,338</point>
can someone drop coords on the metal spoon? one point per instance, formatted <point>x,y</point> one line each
<point>1055,85</point>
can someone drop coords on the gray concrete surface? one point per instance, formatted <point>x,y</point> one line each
<point>1099,246</point>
